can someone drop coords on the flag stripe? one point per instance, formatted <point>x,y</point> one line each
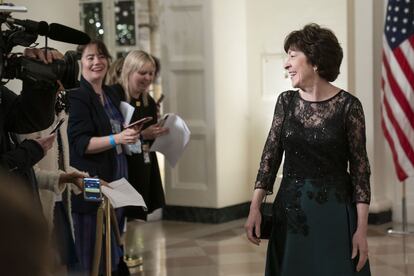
<point>400,172</point>
<point>402,159</point>
<point>411,39</point>
<point>400,134</point>
<point>395,70</point>
<point>408,50</point>
<point>397,113</point>
<point>398,93</point>
<point>405,67</point>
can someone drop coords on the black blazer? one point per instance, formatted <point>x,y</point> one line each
<point>144,177</point>
<point>32,111</point>
<point>87,119</point>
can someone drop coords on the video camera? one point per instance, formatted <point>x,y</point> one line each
<point>25,33</point>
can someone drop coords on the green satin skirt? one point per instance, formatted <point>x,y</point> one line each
<point>313,224</point>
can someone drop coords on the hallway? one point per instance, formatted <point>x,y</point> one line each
<point>193,249</point>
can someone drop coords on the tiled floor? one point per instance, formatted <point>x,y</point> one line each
<point>192,249</point>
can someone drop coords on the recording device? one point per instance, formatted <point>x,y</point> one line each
<point>139,122</point>
<point>57,125</point>
<point>25,33</point>
<point>92,189</point>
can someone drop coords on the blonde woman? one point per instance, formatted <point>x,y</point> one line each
<point>138,73</point>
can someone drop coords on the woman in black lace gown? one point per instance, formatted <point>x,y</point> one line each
<point>321,209</point>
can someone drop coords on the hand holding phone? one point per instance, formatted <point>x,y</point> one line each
<point>139,122</point>
<point>92,189</point>
<point>58,124</point>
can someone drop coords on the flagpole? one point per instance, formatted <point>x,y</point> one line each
<point>404,227</point>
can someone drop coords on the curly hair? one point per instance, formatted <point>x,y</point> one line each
<point>320,46</point>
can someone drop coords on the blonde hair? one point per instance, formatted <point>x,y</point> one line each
<point>133,62</point>
<point>114,71</point>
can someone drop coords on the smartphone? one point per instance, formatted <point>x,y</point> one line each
<point>58,124</point>
<point>92,189</point>
<point>139,122</point>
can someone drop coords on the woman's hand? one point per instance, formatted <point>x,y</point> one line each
<point>360,247</point>
<point>46,142</point>
<point>154,131</point>
<point>254,219</point>
<point>74,178</point>
<point>104,183</point>
<point>127,136</point>
<point>252,225</point>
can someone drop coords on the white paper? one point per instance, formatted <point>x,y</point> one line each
<point>172,145</point>
<point>127,111</point>
<point>122,194</point>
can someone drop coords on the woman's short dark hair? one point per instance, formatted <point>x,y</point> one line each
<point>320,46</point>
<point>99,45</point>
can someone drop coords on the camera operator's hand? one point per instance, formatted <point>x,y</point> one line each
<point>46,142</point>
<point>46,56</point>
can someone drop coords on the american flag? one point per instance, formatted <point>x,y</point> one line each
<point>398,85</point>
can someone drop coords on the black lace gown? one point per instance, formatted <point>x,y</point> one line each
<point>325,173</point>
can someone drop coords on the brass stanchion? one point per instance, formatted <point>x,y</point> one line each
<point>108,236</point>
<point>98,240</point>
<point>103,228</point>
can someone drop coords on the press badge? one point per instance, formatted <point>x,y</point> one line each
<point>145,150</point>
<point>135,148</point>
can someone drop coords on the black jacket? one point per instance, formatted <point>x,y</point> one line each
<point>31,111</point>
<point>87,119</point>
<point>144,177</point>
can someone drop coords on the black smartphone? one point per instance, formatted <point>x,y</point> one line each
<point>58,124</point>
<point>139,122</point>
<point>92,189</point>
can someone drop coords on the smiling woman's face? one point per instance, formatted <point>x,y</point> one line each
<point>301,72</point>
<point>94,64</point>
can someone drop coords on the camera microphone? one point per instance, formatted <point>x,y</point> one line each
<point>40,28</point>
<point>66,34</point>
<point>54,31</point>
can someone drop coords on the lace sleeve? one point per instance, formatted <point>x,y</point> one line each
<point>272,152</point>
<point>358,161</point>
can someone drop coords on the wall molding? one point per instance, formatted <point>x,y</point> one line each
<point>206,215</point>
<point>380,217</point>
